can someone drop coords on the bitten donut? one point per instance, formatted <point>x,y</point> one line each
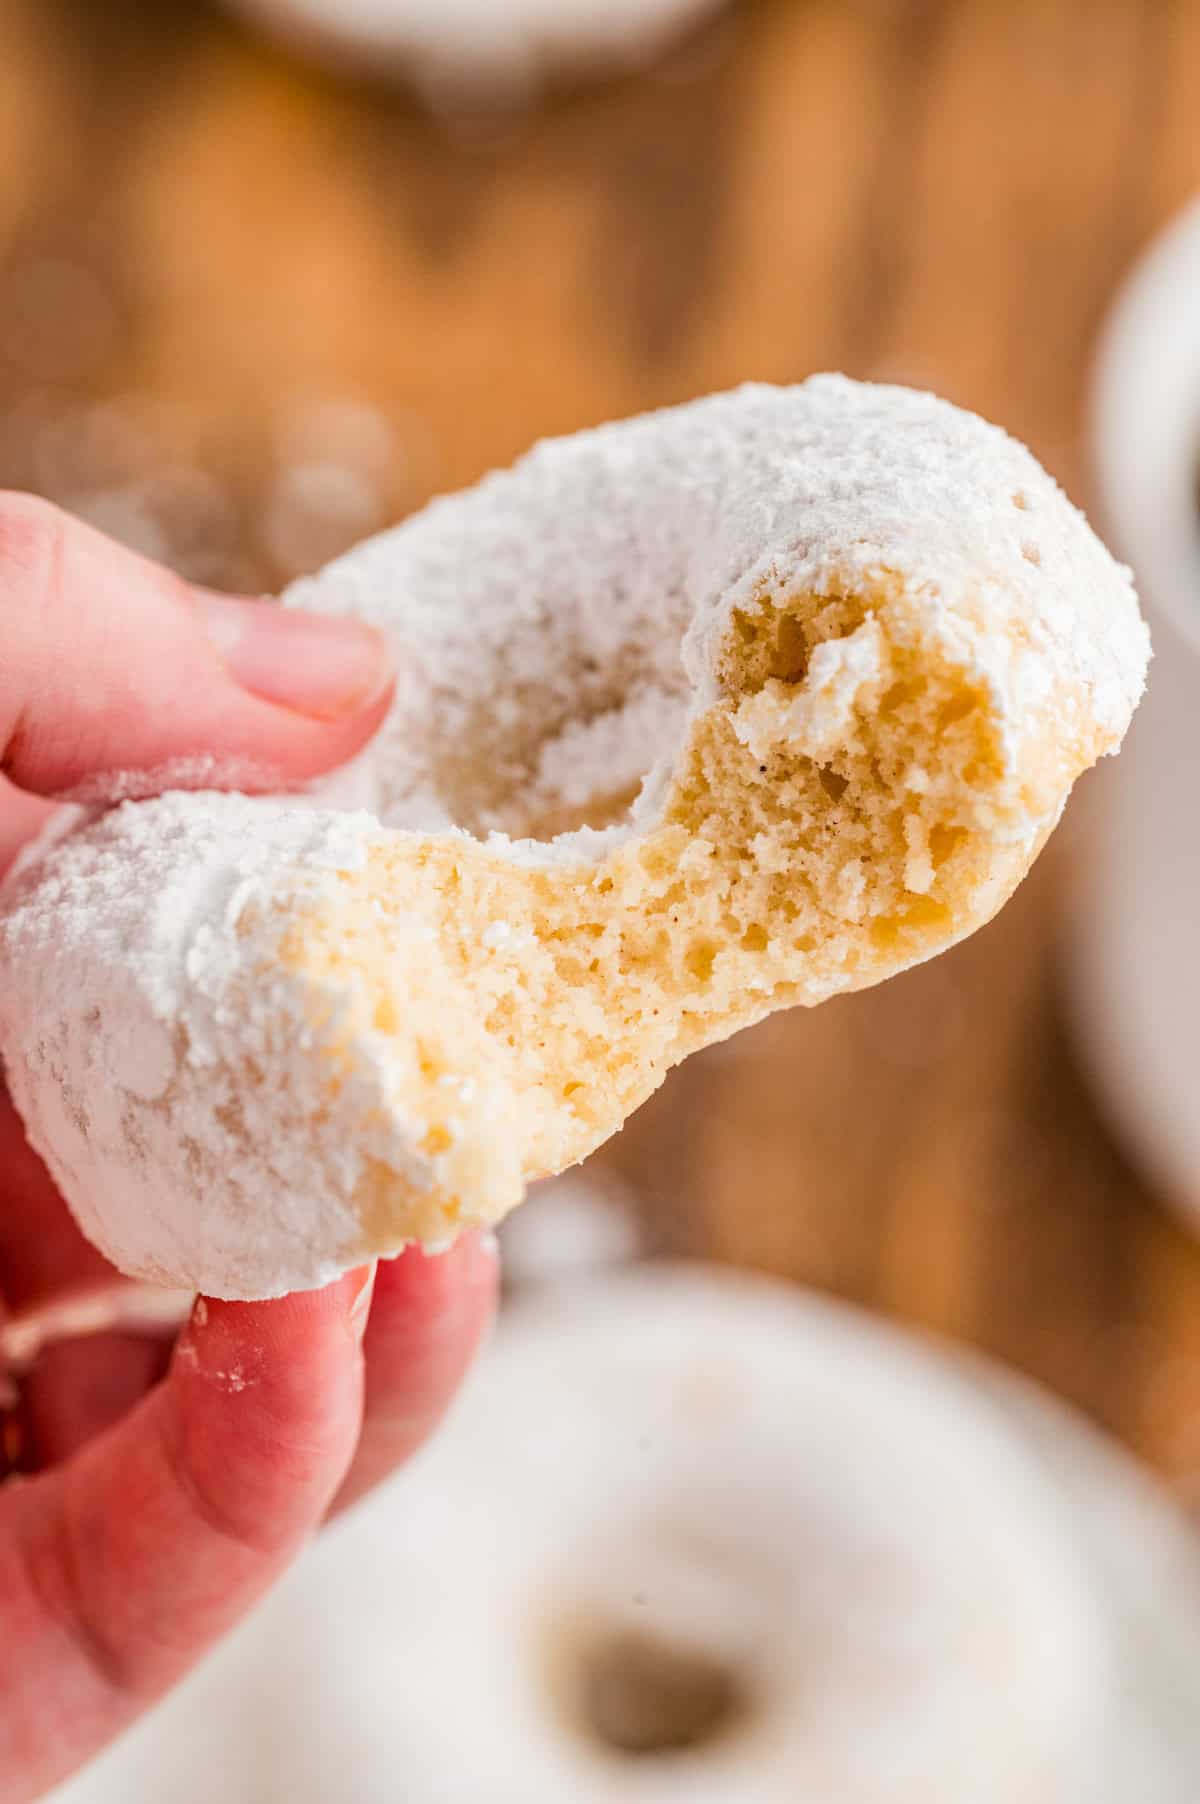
<point>727,708</point>
<point>690,1537</point>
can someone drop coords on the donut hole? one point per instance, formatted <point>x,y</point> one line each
<point>641,1695</point>
<point>546,822</point>
<point>538,762</point>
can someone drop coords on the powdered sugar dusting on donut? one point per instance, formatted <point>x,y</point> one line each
<point>597,554</point>
<point>174,978</point>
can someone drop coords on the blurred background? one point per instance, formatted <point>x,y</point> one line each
<point>254,306</point>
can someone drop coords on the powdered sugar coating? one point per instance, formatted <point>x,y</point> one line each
<point>563,589</point>
<point>556,629</point>
<point>174,1093</point>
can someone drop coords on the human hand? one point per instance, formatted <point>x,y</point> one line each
<point>164,1489</point>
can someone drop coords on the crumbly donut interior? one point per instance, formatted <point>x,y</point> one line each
<point>834,819</point>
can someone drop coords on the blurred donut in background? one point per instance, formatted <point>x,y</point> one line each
<point>701,1537</point>
<point>1133,947</point>
<point>508,49</point>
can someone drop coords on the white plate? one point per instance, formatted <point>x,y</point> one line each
<point>1135,957</point>
<point>505,49</point>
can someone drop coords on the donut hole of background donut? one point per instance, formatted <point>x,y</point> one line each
<point>642,1694</point>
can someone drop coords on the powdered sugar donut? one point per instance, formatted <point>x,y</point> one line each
<point>827,661</point>
<point>701,1538</point>
<point>447,46</point>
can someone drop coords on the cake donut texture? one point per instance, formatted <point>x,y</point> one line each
<point>695,1538</point>
<point>732,707</point>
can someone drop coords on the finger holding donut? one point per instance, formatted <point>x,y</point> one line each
<point>157,1485</point>
<point>119,1569</point>
<point>118,678</point>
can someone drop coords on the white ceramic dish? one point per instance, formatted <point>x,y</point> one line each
<point>449,48</point>
<point>1135,954</point>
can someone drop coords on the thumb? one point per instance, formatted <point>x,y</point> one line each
<point>110,666</point>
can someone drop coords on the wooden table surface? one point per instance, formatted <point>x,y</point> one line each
<point>249,312</point>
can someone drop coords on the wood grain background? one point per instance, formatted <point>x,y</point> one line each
<point>249,312</point>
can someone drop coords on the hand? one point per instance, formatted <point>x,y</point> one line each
<point>172,1487</point>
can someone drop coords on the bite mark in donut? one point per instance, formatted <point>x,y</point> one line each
<point>839,814</point>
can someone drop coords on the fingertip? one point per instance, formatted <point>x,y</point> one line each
<point>360,1305</point>
<point>324,667</point>
<point>269,1401</point>
<point>120,679</point>
<point>286,1341</point>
